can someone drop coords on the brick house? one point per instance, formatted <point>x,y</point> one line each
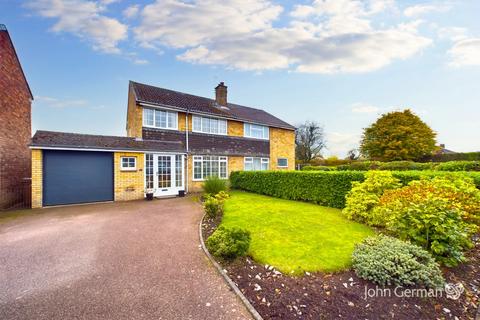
<point>15,127</point>
<point>174,141</point>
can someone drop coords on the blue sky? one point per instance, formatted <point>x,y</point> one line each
<point>341,63</point>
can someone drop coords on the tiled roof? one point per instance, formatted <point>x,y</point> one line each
<point>199,143</point>
<point>183,101</point>
<point>51,139</point>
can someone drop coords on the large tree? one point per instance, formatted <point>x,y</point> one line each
<point>309,141</point>
<point>399,135</point>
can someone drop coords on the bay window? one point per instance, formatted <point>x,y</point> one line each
<point>255,131</point>
<point>207,166</point>
<point>161,119</point>
<point>255,164</point>
<point>209,125</point>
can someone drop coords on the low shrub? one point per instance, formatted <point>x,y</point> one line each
<point>406,165</point>
<point>327,188</point>
<point>213,185</point>
<point>228,243</point>
<point>434,215</point>
<point>318,168</point>
<point>459,166</point>
<point>360,166</point>
<point>213,207</point>
<point>364,196</point>
<point>390,261</point>
<point>459,156</point>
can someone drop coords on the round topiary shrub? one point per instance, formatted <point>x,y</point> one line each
<point>229,243</point>
<point>386,261</point>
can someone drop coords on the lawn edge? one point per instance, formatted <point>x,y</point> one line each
<point>225,276</point>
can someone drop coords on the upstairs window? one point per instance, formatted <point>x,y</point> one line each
<point>256,131</point>
<point>160,119</point>
<point>209,125</point>
<point>256,164</point>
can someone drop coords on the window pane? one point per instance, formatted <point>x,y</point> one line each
<point>171,120</point>
<point>148,117</point>
<point>149,171</point>
<point>160,119</point>
<point>197,123</point>
<point>282,162</point>
<point>222,127</point>
<point>205,125</point>
<point>223,169</point>
<point>197,168</point>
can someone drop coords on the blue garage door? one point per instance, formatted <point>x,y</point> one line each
<point>77,177</point>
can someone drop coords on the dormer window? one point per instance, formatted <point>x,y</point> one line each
<point>160,119</point>
<point>256,131</point>
<point>209,125</point>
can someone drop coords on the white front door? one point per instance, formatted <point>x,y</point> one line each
<point>165,172</point>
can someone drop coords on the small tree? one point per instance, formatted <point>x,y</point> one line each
<point>309,141</point>
<point>400,135</point>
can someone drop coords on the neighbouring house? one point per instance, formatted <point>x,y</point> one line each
<point>443,150</point>
<point>174,142</point>
<point>15,128</point>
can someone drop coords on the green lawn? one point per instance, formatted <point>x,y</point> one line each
<point>294,236</point>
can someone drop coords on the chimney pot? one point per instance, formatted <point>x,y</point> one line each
<point>221,94</point>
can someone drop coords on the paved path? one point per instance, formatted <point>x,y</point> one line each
<point>130,260</point>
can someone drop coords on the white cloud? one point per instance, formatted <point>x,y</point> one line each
<point>452,33</point>
<point>465,52</point>
<point>85,20</point>
<point>59,103</point>
<point>131,12</point>
<point>421,9</point>
<point>328,36</point>
<point>340,143</point>
<point>364,108</point>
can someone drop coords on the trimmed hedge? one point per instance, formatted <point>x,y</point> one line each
<point>459,166</point>
<point>327,188</point>
<point>318,168</point>
<point>466,156</point>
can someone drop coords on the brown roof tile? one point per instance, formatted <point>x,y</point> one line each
<point>183,101</point>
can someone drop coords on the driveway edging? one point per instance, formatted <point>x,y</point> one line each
<point>225,276</point>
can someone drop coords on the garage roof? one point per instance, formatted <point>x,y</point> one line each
<point>65,140</point>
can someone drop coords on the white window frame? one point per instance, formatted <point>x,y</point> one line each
<point>249,160</point>
<point>208,129</point>
<point>128,168</point>
<point>247,131</point>
<point>168,113</point>
<point>278,162</point>
<point>200,159</point>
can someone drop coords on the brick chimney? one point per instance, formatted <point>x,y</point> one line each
<point>221,94</point>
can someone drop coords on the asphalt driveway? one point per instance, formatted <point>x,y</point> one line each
<point>124,260</point>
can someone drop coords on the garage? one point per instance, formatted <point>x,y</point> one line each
<point>77,177</point>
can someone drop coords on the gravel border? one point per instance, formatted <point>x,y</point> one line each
<point>227,279</point>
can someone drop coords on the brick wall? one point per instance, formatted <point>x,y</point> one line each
<point>37,178</point>
<point>282,145</point>
<point>134,117</point>
<point>235,128</point>
<point>129,185</point>
<point>15,129</point>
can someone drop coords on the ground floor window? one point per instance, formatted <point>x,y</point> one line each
<point>255,164</point>
<point>207,166</point>
<point>282,162</point>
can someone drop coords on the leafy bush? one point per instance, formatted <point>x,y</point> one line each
<point>213,185</point>
<point>386,261</point>
<point>360,166</point>
<point>434,215</point>
<point>228,243</point>
<point>364,196</point>
<point>213,205</point>
<point>318,168</point>
<point>467,156</point>
<point>459,166</point>
<point>406,165</point>
<point>327,188</point>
